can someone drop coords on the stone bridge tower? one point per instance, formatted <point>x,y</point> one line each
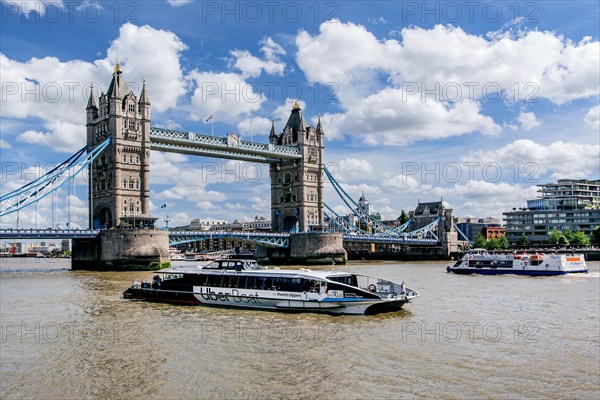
<point>120,177</point>
<point>297,185</point>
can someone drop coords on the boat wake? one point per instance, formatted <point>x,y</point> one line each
<point>590,275</point>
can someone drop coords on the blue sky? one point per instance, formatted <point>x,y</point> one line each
<point>472,102</point>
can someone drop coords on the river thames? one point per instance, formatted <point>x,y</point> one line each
<point>70,334</point>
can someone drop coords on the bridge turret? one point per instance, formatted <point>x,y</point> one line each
<point>273,136</point>
<point>92,115</point>
<point>144,102</point>
<point>92,108</point>
<point>297,186</point>
<point>320,131</point>
<point>117,86</point>
<point>120,177</point>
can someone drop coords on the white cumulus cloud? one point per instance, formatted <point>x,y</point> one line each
<point>400,91</point>
<point>225,95</point>
<point>592,118</point>
<point>528,120</point>
<point>560,159</point>
<point>57,91</point>
<point>252,66</point>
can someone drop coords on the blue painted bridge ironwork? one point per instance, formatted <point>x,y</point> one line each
<point>264,238</point>
<point>267,239</point>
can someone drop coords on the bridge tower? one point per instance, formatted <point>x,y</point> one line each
<point>297,185</point>
<point>119,188</point>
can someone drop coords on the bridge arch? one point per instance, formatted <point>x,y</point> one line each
<point>104,217</point>
<point>290,223</point>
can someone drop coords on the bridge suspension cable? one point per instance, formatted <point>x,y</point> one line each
<point>342,223</point>
<point>50,182</point>
<point>403,227</point>
<point>378,227</point>
<point>426,230</point>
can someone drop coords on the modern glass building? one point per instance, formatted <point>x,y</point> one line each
<point>567,205</point>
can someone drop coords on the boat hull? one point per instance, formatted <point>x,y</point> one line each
<point>483,271</point>
<point>327,305</point>
<point>166,296</point>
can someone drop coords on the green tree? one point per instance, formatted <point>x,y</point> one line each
<point>570,235</point>
<point>492,244</point>
<point>497,243</point>
<point>403,217</point>
<point>554,237</point>
<point>524,240</point>
<point>503,242</point>
<point>580,238</point>
<point>480,242</point>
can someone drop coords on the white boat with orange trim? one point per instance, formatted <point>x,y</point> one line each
<point>479,261</point>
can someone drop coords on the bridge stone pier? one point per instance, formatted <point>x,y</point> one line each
<point>122,249</point>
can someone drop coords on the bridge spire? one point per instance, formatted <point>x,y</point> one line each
<point>92,100</point>
<point>117,88</point>
<point>273,135</point>
<point>320,131</point>
<point>295,122</point>
<point>144,95</point>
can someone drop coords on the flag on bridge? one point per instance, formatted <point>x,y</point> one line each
<point>209,118</point>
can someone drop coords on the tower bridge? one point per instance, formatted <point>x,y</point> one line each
<point>119,144</point>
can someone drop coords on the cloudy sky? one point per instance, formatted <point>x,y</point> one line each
<point>472,102</point>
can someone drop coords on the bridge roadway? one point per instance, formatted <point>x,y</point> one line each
<point>48,233</point>
<point>229,147</point>
<point>177,237</point>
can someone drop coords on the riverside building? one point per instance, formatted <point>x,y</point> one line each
<point>567,205</point>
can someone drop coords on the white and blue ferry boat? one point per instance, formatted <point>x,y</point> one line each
<point>243,283</point>
<point>479,261</point>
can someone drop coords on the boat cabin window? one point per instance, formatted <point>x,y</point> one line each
<point>279,283</point>
<point>313,285</point>
<point>167,277</point>
<point>236,265</point>
<point>490,264</point>
<point>348,280</point>
<point>251,265</point>
<point>350,292</point>
<point>212,265</point>
<point>213,280</point>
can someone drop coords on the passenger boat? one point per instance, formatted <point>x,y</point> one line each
<point>175,254</point>
<point>195,257</point>
<point>243,283</point>
<point>479,261</point>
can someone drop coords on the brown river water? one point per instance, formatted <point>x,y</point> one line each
<point>71,335</point>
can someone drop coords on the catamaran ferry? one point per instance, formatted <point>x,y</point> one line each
<point>243,283</point>
<point>479,261</point>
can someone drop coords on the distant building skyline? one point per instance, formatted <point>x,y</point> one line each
<point>569,204</point>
